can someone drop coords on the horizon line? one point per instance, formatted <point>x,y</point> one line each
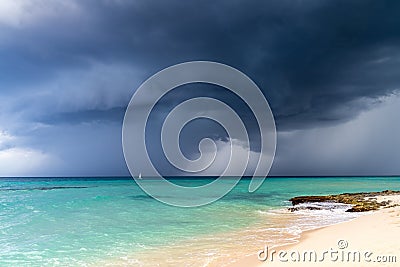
<point>205,176</point>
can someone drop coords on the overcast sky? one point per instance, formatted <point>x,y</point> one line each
<point>329,69</point>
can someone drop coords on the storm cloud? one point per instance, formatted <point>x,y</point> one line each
<point>69,68</point>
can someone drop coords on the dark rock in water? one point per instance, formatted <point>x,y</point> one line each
<point>58,187</point>
<point>310,199</point>
<point>361,208</point>
<point>304,208</point>
<point>328,205</point>
<point>44,188</point>
<point>360,202</point>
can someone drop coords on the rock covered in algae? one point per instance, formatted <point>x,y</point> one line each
<point>364,201</point>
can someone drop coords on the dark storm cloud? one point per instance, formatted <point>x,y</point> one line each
<point>312,59</point>
<point>319,63</point>
<point>110,115</point>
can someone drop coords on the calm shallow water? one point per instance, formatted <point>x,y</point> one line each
<point>78,222</point>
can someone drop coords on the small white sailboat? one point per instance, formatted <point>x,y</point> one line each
<point>140,176</point>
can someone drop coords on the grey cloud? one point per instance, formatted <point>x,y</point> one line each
<point>319,63</point>
<point>310,58</point>
<point>366,145</point>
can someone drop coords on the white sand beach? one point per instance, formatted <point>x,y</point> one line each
<point>370,240</point>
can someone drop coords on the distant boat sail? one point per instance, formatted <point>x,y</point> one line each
<point>140,176</point>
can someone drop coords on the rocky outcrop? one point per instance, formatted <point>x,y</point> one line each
<point>360,202</point>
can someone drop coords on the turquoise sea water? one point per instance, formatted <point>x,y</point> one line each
<point>83,221</point>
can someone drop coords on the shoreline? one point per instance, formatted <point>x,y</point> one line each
<point>220,254</point>
<point>105,224</point>
<point>375,233</point>
<point>243,251</point>
<point>354,231</point>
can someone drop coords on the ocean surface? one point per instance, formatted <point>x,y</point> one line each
<point>111,221</point>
